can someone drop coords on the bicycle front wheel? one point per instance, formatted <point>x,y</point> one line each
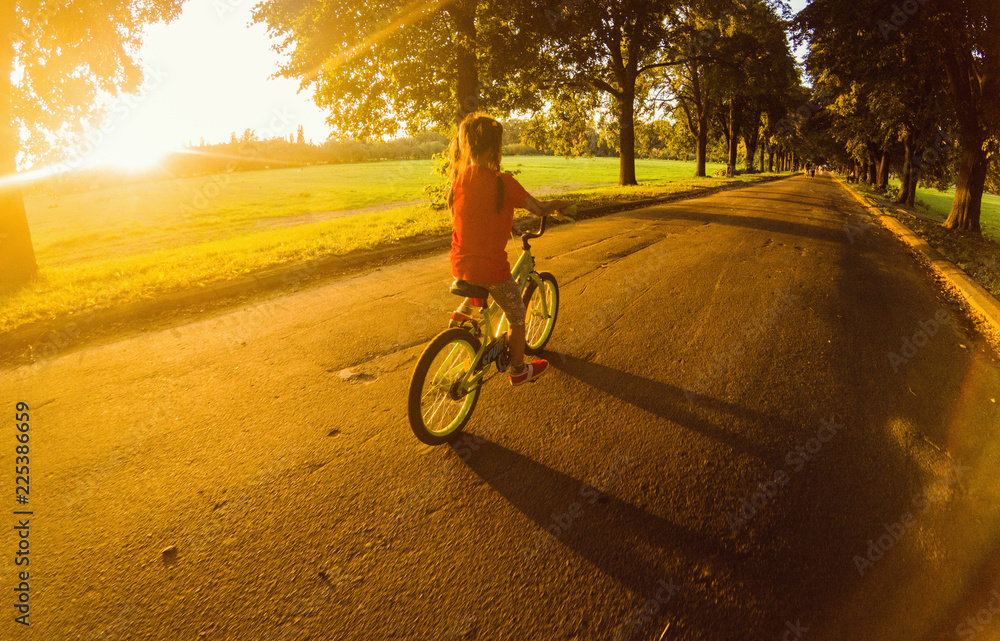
<point>543,305</point>
<point>438,405</point>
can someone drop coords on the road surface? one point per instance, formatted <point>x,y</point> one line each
<point>765,421</point>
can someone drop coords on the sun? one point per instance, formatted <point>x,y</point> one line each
<point>132,155</point>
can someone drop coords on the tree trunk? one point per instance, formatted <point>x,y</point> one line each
<point>751,155</point>
<point>770,159</point>
<point>750,141</point>
<point>872,173</point>
<point>17,255</point>
<point>733,143</point>
<point>467,83</point>
<point>904,181</point>
<point>883,172</point>
<point>966,207</point>
<point>975,93</point>
<point>702,142</point>
<point>911,189</point>
<point>626,128</point>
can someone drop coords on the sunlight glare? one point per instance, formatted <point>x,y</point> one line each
<point>133,155</point>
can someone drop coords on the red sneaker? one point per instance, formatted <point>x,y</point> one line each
<point>531,373</point>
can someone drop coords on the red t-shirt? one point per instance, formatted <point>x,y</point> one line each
<point>478,246</point>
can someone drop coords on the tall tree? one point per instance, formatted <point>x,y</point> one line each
<point>374,65</point>
<point>907,49</point>
<point>968,32</point>
<point>608,45</point>
<point>54,59</point>
<point>733,61</point>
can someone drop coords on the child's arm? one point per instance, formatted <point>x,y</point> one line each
<point>544,208</point>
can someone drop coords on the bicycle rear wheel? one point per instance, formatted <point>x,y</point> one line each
<point>438,408</point>
<point>541,318</point>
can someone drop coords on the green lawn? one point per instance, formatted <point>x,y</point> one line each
<point>977,256</point>
<point>116,245</point>
<point>936,204</point>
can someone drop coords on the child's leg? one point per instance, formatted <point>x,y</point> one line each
<point>509,300</point>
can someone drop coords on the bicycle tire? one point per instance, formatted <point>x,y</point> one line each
<point>442,394</point>
<point>536,337</point>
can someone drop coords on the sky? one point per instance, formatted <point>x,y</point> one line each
<point>208,75</point>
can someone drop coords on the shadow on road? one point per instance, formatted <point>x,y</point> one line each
<point>674,404</point>
<point>622,540</point>
<point>751,218</point>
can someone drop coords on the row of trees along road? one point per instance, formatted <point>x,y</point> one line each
<point>424,63</point>
<point>914,87</point>
<point>711,64</point>
<point>430,63</point>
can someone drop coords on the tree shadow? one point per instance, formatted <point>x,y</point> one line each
<point>677,405</point>
<point>621,540</point>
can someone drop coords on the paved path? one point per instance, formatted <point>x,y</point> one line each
<point>752,393</point>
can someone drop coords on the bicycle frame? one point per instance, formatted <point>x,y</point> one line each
<point>493,342</point>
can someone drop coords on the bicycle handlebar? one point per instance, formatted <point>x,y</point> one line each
<point>529,235</point>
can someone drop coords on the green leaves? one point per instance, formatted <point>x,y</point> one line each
<point>67,52</point>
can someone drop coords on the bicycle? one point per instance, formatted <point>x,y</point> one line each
<point>450,372</point>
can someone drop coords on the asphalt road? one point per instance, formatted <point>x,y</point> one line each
<point>765,421</point>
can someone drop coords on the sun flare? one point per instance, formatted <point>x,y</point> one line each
<point>130,155</point>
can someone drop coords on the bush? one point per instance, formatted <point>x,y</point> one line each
<point>521,150</point>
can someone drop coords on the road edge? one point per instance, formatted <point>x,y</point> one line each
<point>979,300</point>
<point>45,339</point>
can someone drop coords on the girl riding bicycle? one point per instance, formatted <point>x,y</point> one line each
<point>482,200</point>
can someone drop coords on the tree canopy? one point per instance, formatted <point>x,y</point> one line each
<point>893,66</point>
<point>54,59</point>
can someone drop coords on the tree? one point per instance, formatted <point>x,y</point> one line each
<point>903,51</point>
<point>732,62</point>
<point>608,45</point>
<point>376,65</point>
<point>63,54</point>
<point>687,81</point>
<point>969,34</point>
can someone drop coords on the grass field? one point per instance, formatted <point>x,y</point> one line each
<point>116,245</point>
<point>977,256</point>
<point>936,204</point>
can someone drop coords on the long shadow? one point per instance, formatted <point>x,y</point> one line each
<point>612,534</point>
<point>818,201</point>
<point>749,221</point>
<point>671,403</point>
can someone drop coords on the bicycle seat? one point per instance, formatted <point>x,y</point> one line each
<point>467,289</point>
